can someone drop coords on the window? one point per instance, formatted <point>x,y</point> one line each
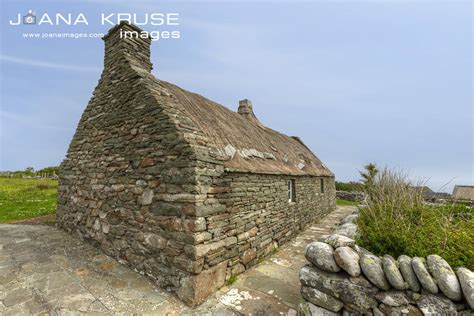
<point>322,185</point>
<point>291,191</point>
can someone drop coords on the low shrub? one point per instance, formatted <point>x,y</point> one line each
<point>396,221</point>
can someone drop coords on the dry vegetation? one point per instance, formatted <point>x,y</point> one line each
<point>396,221</point>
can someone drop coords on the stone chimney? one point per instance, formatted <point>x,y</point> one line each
<point>129,41</point>
<point>246,110</point>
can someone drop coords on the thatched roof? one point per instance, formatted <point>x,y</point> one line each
<point>463,192</point>
<point>248,145</point>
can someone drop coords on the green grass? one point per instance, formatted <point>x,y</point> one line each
<point>346,202</point>
<point>231,280</point>
<point>396,221</point>
<point>27,198</point>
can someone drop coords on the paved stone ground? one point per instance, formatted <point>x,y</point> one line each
<point>44,270</point>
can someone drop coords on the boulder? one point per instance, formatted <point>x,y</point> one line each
<point>321,255</point>
<point>347,229</point>
<point>348,259</point>
<point>392,298</point>
<point>422,274</point>
<point>321,299</point>
<point>392,273</point>
<point>337,241</point>
<point>431,304</point>
<point>352,290</point>
<point>372,268</point>
<point>405,267</point>
<point>445,277</point>
<point>308,309</point>
<point>466,279</point>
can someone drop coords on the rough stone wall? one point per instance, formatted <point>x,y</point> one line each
<point>257,217</point>
<point>129,181</point>
<point>350,196</point>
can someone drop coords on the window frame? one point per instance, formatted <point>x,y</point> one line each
<point>291,191</point>
<point>321,185</point>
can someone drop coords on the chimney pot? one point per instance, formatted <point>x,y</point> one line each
<point>246,110</point>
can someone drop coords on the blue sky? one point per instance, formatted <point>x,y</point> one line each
<point>358,81</point>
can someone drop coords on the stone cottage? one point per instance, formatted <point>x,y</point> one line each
<point>463,192</point>
<point>177,186</point>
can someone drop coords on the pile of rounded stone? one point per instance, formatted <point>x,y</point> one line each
<point>346,279</point>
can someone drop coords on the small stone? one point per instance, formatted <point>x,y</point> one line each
<point>147,197</point>
<point>423,275</point>
<point>308,309</point>
<point>337,241</point>
<point>372,268</point>
<point>404,264</point>
<point>466,279</point>
<point>445,277</point>
<point>97,224</point>
<point>348,259</point>
<point>141,183</point>
<point>392,273</point>
<point>105,227</point>
<point>321,255</point>
<point>321,299</point>
<point>392,298</point>
<point>431,304</point>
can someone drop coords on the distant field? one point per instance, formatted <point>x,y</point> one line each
<point>27,198</point>
<point>346,202</point>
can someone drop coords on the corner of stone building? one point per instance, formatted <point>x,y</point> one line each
<point>194,289</point>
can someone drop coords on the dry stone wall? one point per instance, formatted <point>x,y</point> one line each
<point>258,216</point>
<point>345,279</point>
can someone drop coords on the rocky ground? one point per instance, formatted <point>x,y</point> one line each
<point>43,269</point>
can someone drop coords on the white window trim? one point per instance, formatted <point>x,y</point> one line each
<point>291,191</point>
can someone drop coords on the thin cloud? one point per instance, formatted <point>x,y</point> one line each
<point>45,64</point>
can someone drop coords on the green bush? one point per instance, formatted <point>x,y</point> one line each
<point>396,221</point>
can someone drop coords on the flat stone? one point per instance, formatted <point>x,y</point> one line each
<point>466,279</point>
<point>405,266</point>
<point>392,273</point>
<point>445,277</point>
<point>321,299</point>
<point>348,260</point>
<point>17,297</point>
<point>392,298</point>
<point>423,275</point>
<point>431,304</point>
<point>308,309</point>
<point>356,291</point>
<point>195,288</point>
<point>371,266</point>
<point>321,255</point>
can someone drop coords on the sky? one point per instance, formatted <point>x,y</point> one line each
<point>359,81</point>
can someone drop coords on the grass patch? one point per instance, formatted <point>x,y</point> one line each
<point>27,198</point>
<point>231,280</point>
<point>396,221</point>
<point>346,202</point>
